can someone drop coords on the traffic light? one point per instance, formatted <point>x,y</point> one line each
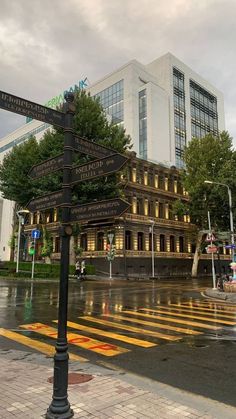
<point>32,248</point>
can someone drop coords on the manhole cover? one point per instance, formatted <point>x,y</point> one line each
<point>75,378</point>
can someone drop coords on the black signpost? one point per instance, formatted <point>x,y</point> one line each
<point>33,110</point>
<point>46,167</point>
<point>99,210</point>
<point>97,168</point>
<point>109,162</point>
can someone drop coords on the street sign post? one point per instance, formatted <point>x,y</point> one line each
<point>97,168</point>
<point>99,210</point>
<point>91,148</point>
<point>52,200</point>
<point>33,110</point>
<point>35,234</point>
<point>46,167</point>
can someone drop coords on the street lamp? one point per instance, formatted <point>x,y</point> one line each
<point>20,215</point>
<point>230,213</point>
<point>152,232</point>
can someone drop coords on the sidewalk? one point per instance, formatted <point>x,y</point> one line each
<point>229,297</point>
<point>26,393</point>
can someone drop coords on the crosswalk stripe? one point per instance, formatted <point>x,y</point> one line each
<point>78,340</point>
<point>171,319</point>
<point>45,348</point>
<point>132,328</point>
<point>193,308</point>
<point>190,316</point>
<point>123,338</point>
<point>213,302</point>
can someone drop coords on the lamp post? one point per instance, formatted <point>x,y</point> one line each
<point>153,262</point>
<point>230,213</point>
<point>20,215</point>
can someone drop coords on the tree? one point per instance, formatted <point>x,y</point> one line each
<point>90,121</point>
<point>209,158</point>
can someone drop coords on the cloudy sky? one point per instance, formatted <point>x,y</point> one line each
<point>48,45</point>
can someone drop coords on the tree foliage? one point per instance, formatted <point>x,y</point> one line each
<point>90,121</point>
<point>213,159</point>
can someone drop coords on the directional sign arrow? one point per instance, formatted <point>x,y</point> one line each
<point>97,168</point>
<point>33,110</point>
<point>91,148</point>
<point>99,210</point>
<point>43,202</point>
<point>46,167</point>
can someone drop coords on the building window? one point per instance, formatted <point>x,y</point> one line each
<point>179,116</point>
<point>128,240</point>
<point>161,210</point>
<point>100,241</point>
<point>143,124</point>
<point>84,242</point>
<point>172,244</point>
<point>112,101</point>
<point>162,243</point>
<point>57,244</point>
<point>140,241</point>
<point>181,244</point>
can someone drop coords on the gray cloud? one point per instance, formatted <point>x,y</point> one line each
<point>46,46</point>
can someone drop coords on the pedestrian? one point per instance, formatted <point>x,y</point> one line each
<point>78,269</point>
<point>83,269</point>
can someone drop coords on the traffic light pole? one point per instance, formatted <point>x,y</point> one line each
<point>33,261</point>
<point>60,406</point>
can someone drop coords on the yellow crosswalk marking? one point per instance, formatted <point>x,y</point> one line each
<point>123,338</point>
<point>202,310</point>
<point>82,341</point>
<point>45,348</point>
<point>147,323</point>
<point>212,303</point>
<point>171,319</point>
<point>190,316</point>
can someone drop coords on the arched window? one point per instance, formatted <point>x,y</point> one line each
<point>100,240</point>
<point>162,243</point>
<point>128,240</point>
<point>140,241</point>
<point>172,243</point>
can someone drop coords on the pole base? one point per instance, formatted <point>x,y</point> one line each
<point>52,414</point>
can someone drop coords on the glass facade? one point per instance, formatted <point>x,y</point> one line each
<point>112,101</point>
<point>179,116</point>
<point>143,124</point>
<point>204,117</point>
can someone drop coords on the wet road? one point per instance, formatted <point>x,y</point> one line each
<point>161,330</point>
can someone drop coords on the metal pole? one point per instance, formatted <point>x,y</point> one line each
<point>231,222</point>
<point>33,261</point>
<point>18,244</point>
<point>60,406</point>
<point>153,267</point>
<point>110,270</point>
<point>212,255</point>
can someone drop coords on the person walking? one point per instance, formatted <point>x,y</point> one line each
<point>83,269</point>
<point>78,269</point>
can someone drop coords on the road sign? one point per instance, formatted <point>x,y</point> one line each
<point>46,167</point>
<point>33,110</point>
<point>35,234</point>
<point>230,246</point>
<point>211,249</point>
<point>99,210</point>
<point>91,148</point>
<point>98,168</point>
<point>43,202</point>
<point>210,237</point>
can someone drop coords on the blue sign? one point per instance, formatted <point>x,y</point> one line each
<point>230,246</point>
<point>35,234</point>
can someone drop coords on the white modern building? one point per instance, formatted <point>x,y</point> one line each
<point>162,105</point>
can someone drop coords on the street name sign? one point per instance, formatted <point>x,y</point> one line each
<point>30,109</point>
<point>97,168</point>
<point>99,210</point>
<point>91,148</point>
<point>52,200</point>
<point>46,167</point>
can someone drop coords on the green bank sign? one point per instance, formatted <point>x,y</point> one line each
<point>56,101</point>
